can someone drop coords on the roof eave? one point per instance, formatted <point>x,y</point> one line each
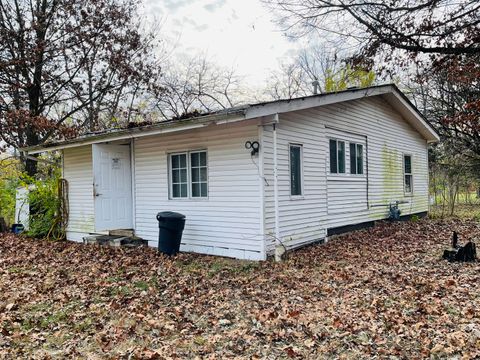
<point>159,128</point>
<point>403,105</point>
<point>390,91</point>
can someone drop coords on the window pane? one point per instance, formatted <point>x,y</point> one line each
<point>333,156</point>
<point>408,183</point>
<point>176,190</point>
<point>359,159</point>
<point>204,191</point>
<point>194,159</point>
<point>408,164</point>
<point>353,158</point>
<point>195,174</point>
<point>203,158</point>
<point>175,176</point>
<point>175,161</point>
<point>183,175</point>
<point>203,174</point>
<point>183,160</point>
<point>341,157</point>
<point>295,170</point>
<point>196,190</point>
<point>183,188</point>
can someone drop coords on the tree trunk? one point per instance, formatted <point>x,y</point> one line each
<point>30,164</point>
<point>31,167</point>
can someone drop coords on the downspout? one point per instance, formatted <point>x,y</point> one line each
<point>278,243</point>
<point>133,182</point>
<point>261,160</point>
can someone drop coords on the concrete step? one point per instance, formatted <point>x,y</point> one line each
<point>122,232</point>
<point>115,240</point>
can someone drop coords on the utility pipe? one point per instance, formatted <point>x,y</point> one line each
<point>278,244</point>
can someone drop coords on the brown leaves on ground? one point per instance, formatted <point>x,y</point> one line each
<point>381,292</point>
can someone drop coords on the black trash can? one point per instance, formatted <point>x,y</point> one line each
<point>170,226</point>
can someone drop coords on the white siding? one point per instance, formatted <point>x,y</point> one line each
<point>77,170</point>
<point>346,193</point>
<point>333,201</point>
<point>301,219</point>
<point>388,138</point>
<point>228,222</point>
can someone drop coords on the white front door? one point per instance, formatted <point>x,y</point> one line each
<point>112,187</point>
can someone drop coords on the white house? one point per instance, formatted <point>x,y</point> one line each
<point>324,163</point>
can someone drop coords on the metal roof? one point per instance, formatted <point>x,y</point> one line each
<point>389,91</point>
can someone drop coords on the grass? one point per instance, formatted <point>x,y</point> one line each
<point>462,199</point>
<point>461,211</point>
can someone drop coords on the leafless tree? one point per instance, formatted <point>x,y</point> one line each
<point>197,84</point>
<point>288,82</point>
<point>318,64</point>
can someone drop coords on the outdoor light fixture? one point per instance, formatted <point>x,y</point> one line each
<point>254,146</point>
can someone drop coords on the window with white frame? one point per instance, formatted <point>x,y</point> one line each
<point>295,169</point>
<point>356,158</point>
<point>407,174</point>
<point>188,175</point>
<point>337,156</point>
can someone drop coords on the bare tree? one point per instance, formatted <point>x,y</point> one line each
<point>290,81</point>
<point>197,84</point>
<point>316,64</point>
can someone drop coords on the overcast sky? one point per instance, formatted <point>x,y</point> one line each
<point>238,33</point>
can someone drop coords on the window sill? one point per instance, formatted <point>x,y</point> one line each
<point>347,177</point>
<point>297,197</point>
<point>188,199</point>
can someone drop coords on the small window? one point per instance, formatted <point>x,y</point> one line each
<point>337,156</point>
<point>295,170</point>
<point>356,158</point>
<point>188,177</point>
<point>407,174</point>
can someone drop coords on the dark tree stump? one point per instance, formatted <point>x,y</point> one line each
<point>3,225</point>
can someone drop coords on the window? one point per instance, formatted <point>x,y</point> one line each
<point>356,158</point>
<point>337,156</point>
<point>407,174</point>
<point>296,170</point>
<point>188,177</point>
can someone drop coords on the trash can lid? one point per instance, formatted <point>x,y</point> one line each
<point>170,215</point>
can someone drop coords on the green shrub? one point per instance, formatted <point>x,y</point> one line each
<point>44,204</point>
<point>414,218</point>
<point>7,200</point>
<point>9,180</point>
<point>43,198</point>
